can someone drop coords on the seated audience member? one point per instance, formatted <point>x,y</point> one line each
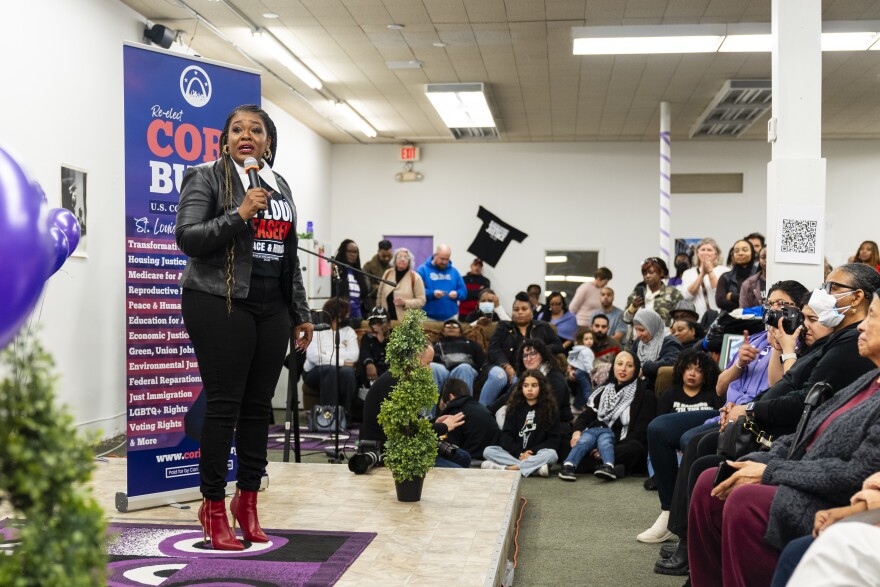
<point>653,294</point>
<point>614,423</point>
<point>377,266</point>
<point>531,429</point>
<point>605,348</point>
<point>478,429</point>
<point>373,343</point>
<point>580,367</point>
<point>845,554</point>
<point>744,378</point>
<point>868,254</point>
<point>752,291</point>
<point>506,340</point>
<point>320,366</point>
<point>443,285</point>
<point>409,292</point>
<point>587,297</point>
<point>381,389</point>
<point>652,345</point>
<point>685,310</point>
<point>699,282</point>
<point>557,314</point>
<point>614,315</point>
<point>730,284</point>
<point>353,287</point>
<point>474,282</point>
<point>694,377</point>
<point>456,356</point>
<point>681,263</point>
<point>534,354</point>
<point>826,348</point>
<point>534,293</point>
<point>685,332</point>
<point>773,497</point>
<point>488,310</point>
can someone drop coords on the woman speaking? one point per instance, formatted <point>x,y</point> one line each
<point>242,292</point>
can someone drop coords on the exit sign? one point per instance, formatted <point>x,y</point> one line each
<point>409,153</point>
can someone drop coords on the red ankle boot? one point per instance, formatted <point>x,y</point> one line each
<point>215,525</point>
<point>244,511</point>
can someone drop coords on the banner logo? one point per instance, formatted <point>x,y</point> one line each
<point>195,85</point>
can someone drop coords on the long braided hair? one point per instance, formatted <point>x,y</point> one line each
<point>228,165</point>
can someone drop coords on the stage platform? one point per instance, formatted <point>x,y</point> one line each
<point>460,533</point>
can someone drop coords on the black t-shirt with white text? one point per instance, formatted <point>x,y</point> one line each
<point>493,238</point>
<point>676,400</point>
<point>271,228</point>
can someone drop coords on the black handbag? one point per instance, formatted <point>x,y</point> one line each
<point>453,360</point>
<point>742,437</point>
<point>321,419</point>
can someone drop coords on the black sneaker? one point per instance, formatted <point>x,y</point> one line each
<point>650,484</point>
<point>567,473</point>
<point>606,472</point>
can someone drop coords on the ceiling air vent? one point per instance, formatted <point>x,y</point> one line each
<point>735,107</point>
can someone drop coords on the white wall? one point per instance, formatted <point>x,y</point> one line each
<point>581,196</point>
<point>62,102</point>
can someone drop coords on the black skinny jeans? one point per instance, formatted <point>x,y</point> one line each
<point>701,453</point>
<point>240,359</point>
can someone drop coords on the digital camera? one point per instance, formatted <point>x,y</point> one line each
<point>791,318</point>
<point>369,455</point>
<point>445,449</point>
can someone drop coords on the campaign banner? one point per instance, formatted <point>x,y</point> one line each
<point>175,108</point>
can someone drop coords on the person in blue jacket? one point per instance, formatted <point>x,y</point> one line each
<point>443,285</point>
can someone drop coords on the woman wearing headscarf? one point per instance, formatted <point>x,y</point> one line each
<point>614,424</point>
<point>652,345</point>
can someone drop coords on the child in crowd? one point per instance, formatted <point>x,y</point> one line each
<point>531,429</point>
<point>580,366</point>
<point>694,377</point>
<point>613,412</point>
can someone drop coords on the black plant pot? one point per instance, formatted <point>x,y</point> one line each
<point>409,490</point>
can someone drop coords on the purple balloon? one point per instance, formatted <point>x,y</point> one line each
<point>66,221</point>
<point>60,249</point>
<point>25,254</point>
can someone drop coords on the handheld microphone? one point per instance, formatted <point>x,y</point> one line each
<point>252,167</point>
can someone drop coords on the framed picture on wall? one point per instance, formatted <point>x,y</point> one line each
<point>73,198</point>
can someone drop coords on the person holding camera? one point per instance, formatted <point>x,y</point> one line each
<point>373,343</point>
<point>478,429</point>
<point>373,432</point>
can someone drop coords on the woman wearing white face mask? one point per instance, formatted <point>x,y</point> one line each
<point>841,304</point>
<point>488,309</point>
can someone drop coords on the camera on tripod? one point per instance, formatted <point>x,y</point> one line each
<point>791,318</point>
<point>369,455</point>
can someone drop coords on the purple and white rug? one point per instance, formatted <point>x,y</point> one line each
<point>174,556</point>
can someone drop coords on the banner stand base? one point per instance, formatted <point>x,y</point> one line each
<point>175,499</point>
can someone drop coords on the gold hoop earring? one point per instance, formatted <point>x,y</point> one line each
<point>225,149</point>
<point>268,155</point>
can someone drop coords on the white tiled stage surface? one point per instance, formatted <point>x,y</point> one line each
<point>458,534</point>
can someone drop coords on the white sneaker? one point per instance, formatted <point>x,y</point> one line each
<point>493,465</point>
<point>544,471</point>
<point>658,532</point>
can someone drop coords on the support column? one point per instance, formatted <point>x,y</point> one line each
<point>667,252</point>
<point>796,172</point>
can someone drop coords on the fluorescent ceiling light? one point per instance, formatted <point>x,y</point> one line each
<point>554,278</point>
<point>747,44</point>
<point>710,38</point>
<point>285,57</point>
<point>356,119</point>
<point>461,105</point>
<point>555,259</point>
<point>858,41</point>
<point>578,278</point>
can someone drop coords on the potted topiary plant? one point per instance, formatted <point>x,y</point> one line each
<point>411,448</point>
<point>59,528</point>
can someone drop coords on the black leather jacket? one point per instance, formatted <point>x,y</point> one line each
<point>204,229</point>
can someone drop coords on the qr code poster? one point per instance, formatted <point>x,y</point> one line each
<point>799,237</point>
